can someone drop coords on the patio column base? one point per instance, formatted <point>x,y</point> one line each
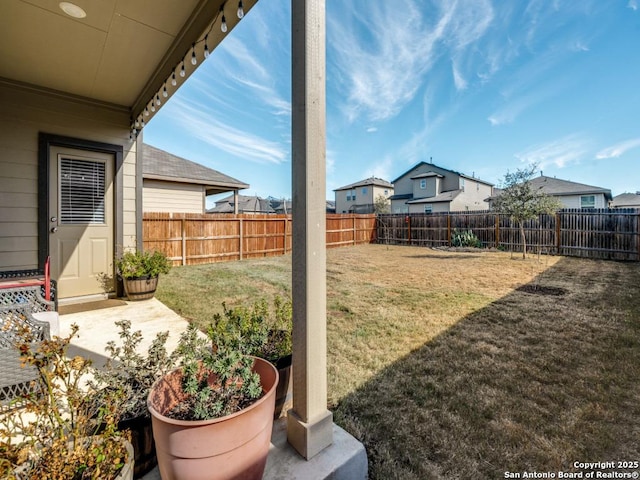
<point>310,438</point>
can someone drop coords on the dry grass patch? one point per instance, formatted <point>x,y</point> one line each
<point>445,370</point>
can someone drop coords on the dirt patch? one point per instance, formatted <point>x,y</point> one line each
<point>542,290</point>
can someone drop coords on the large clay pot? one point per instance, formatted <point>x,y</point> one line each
<point>231,447</point>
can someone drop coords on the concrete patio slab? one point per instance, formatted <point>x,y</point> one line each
<point>345,459</point>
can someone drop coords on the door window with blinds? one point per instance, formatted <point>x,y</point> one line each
<point>82,191</point>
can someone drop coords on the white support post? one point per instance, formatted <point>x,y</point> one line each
<point>309,424</point>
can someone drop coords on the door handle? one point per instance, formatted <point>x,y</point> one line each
<point>54,229</point>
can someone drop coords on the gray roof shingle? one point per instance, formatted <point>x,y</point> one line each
<point>558,187</point>
<point>160,165</point>
<point>375,181</point>
<point>626,200</point>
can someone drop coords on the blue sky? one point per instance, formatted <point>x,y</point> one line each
<point>479,86</point>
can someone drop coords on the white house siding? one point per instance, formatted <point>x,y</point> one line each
<point>373,191</point>
<point>342,206</point>
<point>23,115</point>
<point>440,207</point>
<point>399,206</point>
<point>573,201</point>
<point>161,196</point>
<point>473,197</point>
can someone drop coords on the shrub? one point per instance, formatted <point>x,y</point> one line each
<point>142,264</point>
<point>465,239</point>
<point>257,330</point>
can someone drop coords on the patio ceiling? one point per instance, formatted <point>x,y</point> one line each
<point>121,53</point>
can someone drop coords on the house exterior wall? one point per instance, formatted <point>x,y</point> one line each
<point>574,201</point>
<point>473,197</point>
<point>24,114</point>
<point>439,207</point>
<point>172,197</point>
<point>431,184</point>
<point>399,206</point>
<point>361,197</point>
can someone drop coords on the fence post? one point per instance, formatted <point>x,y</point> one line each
<point>184,241</point>
<point>354,228</point>
<point>557,233</point>
<point>638,236</point>
<point>284,236</point>
<point>240,239</point>
<point>497,230</point>
<point>409,229</point>
<point>448,229</point>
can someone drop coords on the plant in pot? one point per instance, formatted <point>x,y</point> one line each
<point>140,270</point>
<point>266,333</point>
<point>212,417</point>
<point>133,374</point>
<point>59,432</point>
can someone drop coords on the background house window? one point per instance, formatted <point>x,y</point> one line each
<point>462,184</point>
<point>588,201</point>
<point>423,183</point>
<point>428,208</point>
<point>386,192</point>
<point>364,190</point>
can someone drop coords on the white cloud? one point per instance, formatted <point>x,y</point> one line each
<point>560,152</point>
<point>383,168</point>
<point>618,149</point>
<point>239,143</point>
<point>372,129</point>
<point>633,4</point>
<point>458,80</point>
<point>382,70</point>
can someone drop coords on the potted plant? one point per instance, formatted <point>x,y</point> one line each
<point>133,374</point>
<point>60,432</point>
<point>140,270</point>
<point>212,417</point>
<point>266,334</point>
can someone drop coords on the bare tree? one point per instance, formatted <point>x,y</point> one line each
<point>522,202</point>
<point>381,204</point>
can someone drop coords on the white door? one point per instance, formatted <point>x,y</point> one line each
<point>81,221</point>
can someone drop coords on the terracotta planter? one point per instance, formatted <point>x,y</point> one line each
<point>284,389</point>
<point>231,447</point>
<point>140,288</point>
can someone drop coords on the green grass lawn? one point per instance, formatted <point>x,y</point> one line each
<point>462,364</point>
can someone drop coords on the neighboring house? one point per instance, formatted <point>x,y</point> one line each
<point>242,204</point>
<point>175,185</point>
<point>331,206</point>
<point>359,197</point>
<point>75,89</point>
<point>280,205</point>
<point>626,200</point>
<point>427,188</point>
<point>572,194</point>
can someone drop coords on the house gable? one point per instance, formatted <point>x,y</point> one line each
<point>427,183</point>
<point>359,197</point>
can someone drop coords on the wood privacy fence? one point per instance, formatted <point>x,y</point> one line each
<point>189,239</point>
<point>595,233</point>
